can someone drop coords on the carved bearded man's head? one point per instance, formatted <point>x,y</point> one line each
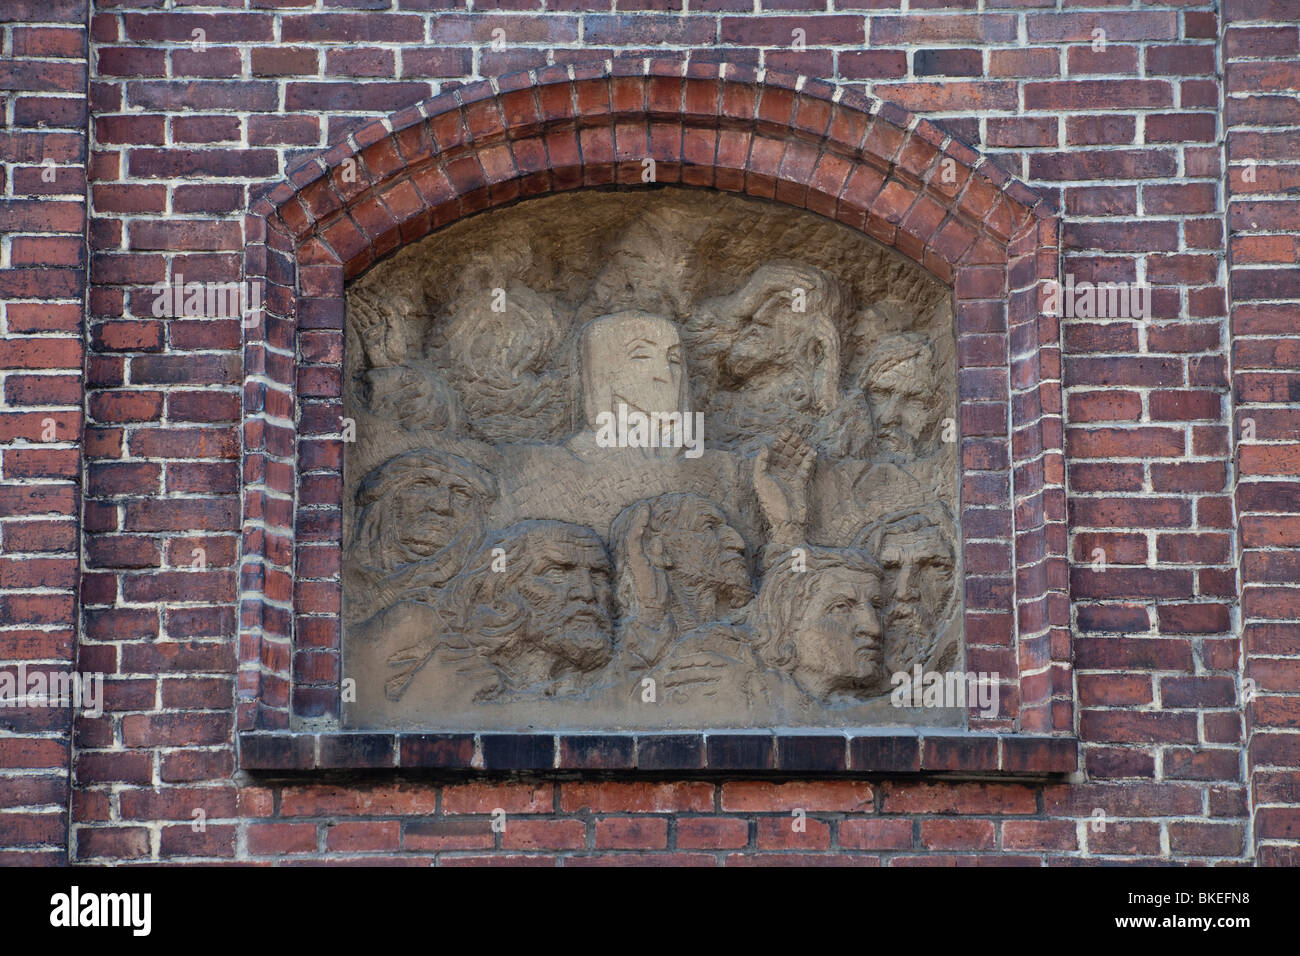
<point>687,537</point>
<point>898,381</point>
<point>537,603</point>
<point>785,355</point>
<point>419,517</point>
<point>421,506</point>
<point>916,550</point>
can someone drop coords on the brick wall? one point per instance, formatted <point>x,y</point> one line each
<point>1262,126</point>
<point>1123,131</point>
<point>43,66</point>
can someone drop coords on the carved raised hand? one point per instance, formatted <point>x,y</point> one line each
<point>781,473</point>
<point>645,564</point>
<point>382,334</point>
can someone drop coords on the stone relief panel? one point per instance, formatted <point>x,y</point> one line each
<point>662,459</point>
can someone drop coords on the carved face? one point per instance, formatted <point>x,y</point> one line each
<point>839,638</point>
<point>783,364</point>
<point>919,576</point>
<point>421,507</point>
<point>702,548</point>
<point>430,511</point>
<point>900,405</point>
<point>567,587</point>
<point>635,359</point>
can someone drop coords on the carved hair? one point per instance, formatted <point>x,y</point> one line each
<point>378,531</point>
<point>712,330</point>
<point>939,651</point>
<point>909,520</point>
<point>481,610</point>
<point>500,364</point>
<point>786,594</point>
<point>896,350</point>
<point>663,511</point>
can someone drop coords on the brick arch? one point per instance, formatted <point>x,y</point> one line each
<point>793,140</point>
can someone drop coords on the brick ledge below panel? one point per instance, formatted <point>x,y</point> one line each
<point>735,751</point>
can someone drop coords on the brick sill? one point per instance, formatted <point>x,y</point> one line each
<point>891,751</point>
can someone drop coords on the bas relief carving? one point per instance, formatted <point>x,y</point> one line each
<point>647,460</point>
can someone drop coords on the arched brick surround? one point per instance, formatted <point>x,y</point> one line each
<point>802,142</point>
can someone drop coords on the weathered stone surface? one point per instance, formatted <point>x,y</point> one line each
<point>647,460</point>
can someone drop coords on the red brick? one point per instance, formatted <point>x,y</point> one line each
<point>279,839</point>
<point>632,833</point>
<point>636,797</point>
<point>711,833</point>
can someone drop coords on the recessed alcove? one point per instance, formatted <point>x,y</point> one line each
<point>801,150</point>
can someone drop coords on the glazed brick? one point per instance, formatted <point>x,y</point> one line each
<point>820,753</point>
<point>435,750</point>
<point>517,751</point>
<point>596,752</point>
<point>739,751</point>
<point>356,750</point>
<point>670,752</point>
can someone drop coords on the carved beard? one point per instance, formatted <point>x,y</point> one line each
<point>861,687</point>
<point>935,649</point>
<point>577,636</point>
<point>899,445</point>
<point>705,592</point>
<point>735,592</point>
<point>531,650</point>
<point>907,630</point>
<point>423,543</point>
<point>874,680</point>
<point>910,637</point>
